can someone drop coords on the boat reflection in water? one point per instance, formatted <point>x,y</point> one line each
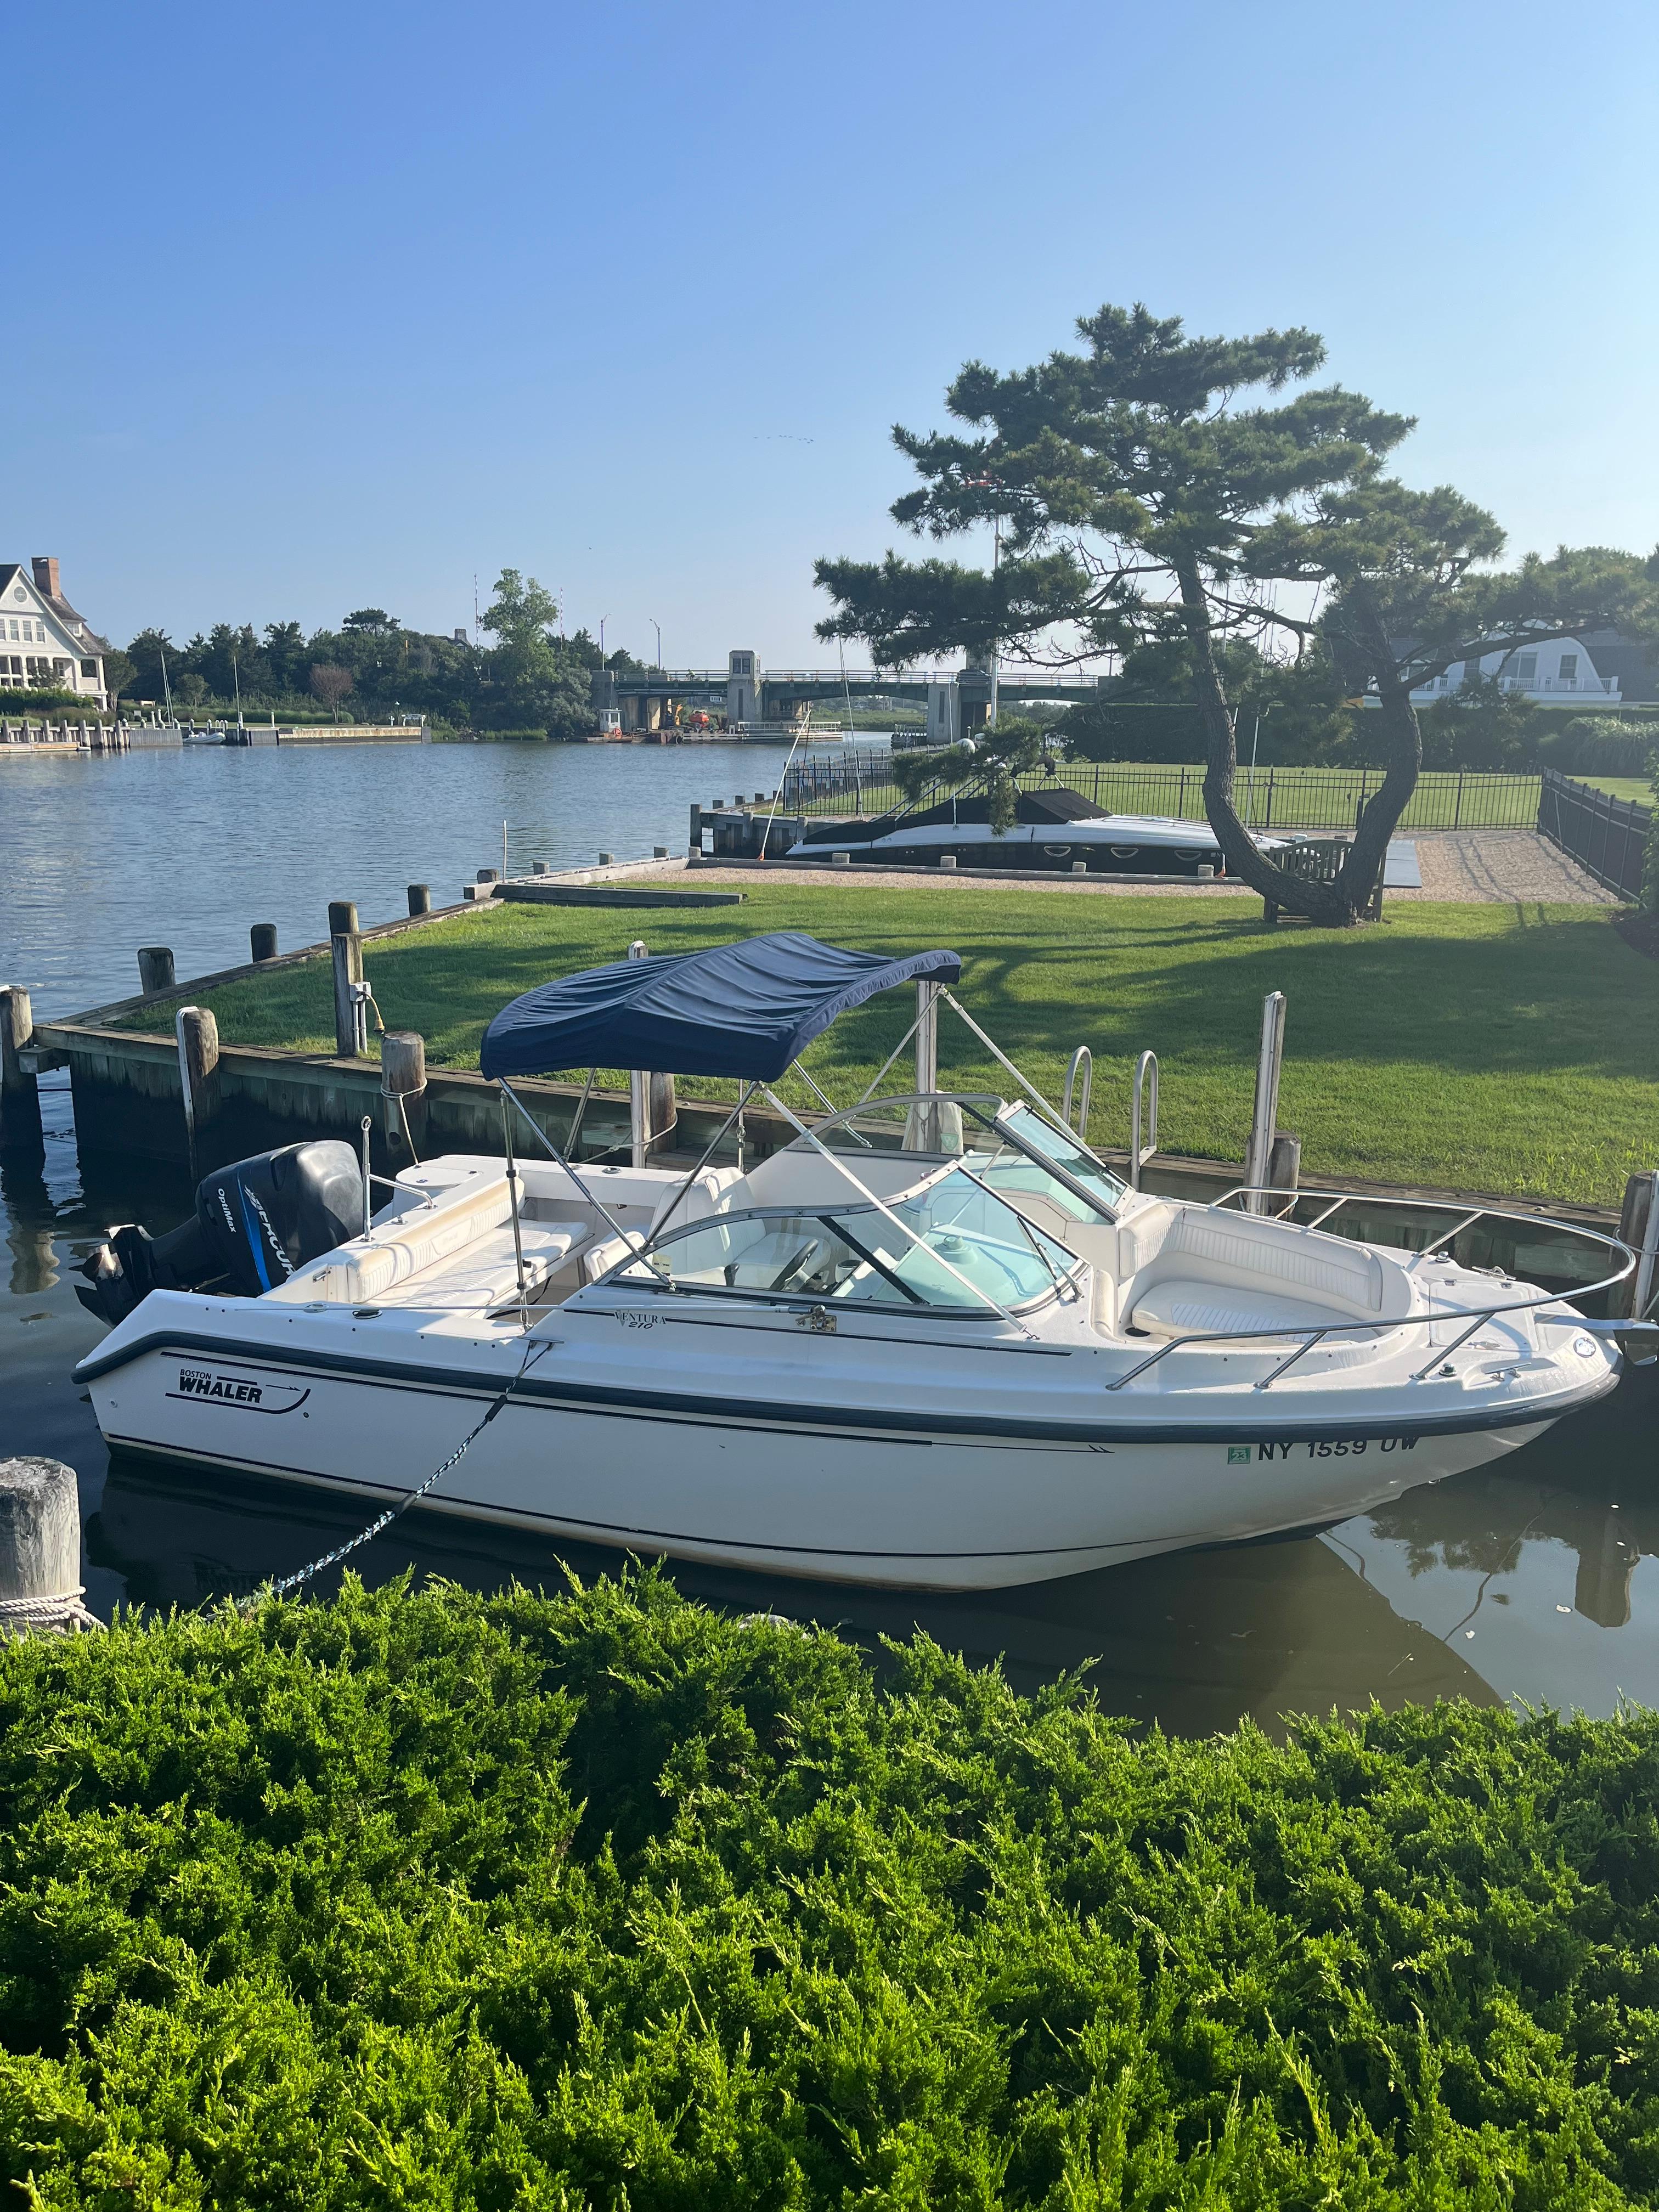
<point>1193,1641</point>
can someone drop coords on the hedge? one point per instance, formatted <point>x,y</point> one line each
<point>603,1900</point>
<point>1600,744</point>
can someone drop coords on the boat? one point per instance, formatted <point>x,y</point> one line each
<point>933,1341</point>
<point>1055,828</point>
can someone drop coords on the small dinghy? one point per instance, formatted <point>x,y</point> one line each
<point>934,1342</point>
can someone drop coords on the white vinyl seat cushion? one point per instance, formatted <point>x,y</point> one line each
<point>603,1257</point>
<point>1184,1309</point>
<point>484,1274</point>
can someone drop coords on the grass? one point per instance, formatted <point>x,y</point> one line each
<point>1276,797</point>
<point>603,1900</point>
<point>1636,787</point>
<point>1498,1048</point>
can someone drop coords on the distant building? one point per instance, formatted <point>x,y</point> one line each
<point>44,645</point>
<point>1601,669</point>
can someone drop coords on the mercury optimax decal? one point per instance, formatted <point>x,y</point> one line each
<point>242,1391</point>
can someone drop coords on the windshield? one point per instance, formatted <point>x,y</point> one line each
<point>1010,1169</point>
<point>1014,1150</point>
<point>971,1248</point>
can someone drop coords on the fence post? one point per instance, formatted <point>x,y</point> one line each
<point>1181,804</point>
<point>1268,822</point>
<point>1457,811</point>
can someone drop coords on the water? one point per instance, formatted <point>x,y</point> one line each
<point>1538,1583</point>
<point>105,853</point>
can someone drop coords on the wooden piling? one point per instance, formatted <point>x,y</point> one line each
<point>20,1094</point>
<point>197,1036</point>
<point>1285,1162</point>
<point>1638,1227</point>
<point>40,1548</point>
<point>694,845</point>
<point>262,940</point>
<point>154,969</point>
<point>403,1088</point>
<point>351,1015</point>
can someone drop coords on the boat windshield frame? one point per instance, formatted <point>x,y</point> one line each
<point>635,1271</point>
<point>976,1102</point>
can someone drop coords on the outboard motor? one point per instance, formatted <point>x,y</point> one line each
<point>255,1223</point>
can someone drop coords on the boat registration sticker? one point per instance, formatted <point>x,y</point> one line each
<point>1318,1448</point>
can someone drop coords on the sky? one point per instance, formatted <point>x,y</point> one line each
<point>323,307</point>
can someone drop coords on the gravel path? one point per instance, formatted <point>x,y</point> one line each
<point>1475,867</point>
<point>1486,867</point>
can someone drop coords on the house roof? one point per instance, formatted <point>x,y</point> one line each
<point>55,604</point>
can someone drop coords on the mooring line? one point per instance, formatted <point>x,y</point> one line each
<point>384,1521</point>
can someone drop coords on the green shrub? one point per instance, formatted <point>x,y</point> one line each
<point>604,1900</point>
<point>56,704</point>
<point>1598,745</point>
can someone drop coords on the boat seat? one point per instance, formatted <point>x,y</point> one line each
<point>1185,1309</point>
<point>487,1273</point>
<point>603,1257</point>
<point>484,1274</point>
<point>701,1201</point>
<point>1248,1257</point>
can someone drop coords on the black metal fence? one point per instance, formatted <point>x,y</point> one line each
<point>1606,836</point>
<point>1271,799</point>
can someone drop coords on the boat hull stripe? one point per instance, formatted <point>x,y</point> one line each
<point>1230,1427</point>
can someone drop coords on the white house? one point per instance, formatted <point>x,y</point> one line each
<point>44,645</point>
<point>1563,671</point>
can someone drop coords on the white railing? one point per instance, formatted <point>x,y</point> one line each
<point>1646,1334</point>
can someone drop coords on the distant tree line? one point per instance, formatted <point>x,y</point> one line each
<point>530,679</point>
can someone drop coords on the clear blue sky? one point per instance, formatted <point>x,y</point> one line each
<point>320,306</point>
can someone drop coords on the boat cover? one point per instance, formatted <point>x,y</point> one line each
<point>744,1010</point>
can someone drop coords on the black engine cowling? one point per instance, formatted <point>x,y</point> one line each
<point>255,1221</point>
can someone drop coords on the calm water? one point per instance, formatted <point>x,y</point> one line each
<point>1541,1583</point>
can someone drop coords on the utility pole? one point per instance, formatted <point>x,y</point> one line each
<point>657,626</point>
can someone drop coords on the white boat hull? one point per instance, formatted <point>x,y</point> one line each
<point>826,1498</point>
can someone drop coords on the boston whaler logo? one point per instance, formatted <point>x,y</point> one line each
<point>206,1385</point>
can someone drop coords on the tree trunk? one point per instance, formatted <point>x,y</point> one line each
<point>1362,870</point>
<point>1326,903</point>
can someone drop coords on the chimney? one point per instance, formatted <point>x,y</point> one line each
<point>44,566</point>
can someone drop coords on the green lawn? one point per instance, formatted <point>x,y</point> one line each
<point>1485,1048</point>
<point>1275,798</point>
<point>1621,787</point>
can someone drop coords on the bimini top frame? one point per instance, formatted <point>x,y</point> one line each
<point>746,1010</point>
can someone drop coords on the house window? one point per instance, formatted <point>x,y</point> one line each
<point>1570,668</point>
<point>16,663</point>
<point>89,668</point>
<point>1526,667</point>
<point>60,668</point>
<point>16,638</point>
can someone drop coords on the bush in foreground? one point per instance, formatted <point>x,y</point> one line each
<point>604,1900</point>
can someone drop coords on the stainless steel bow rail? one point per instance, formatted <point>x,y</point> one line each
<point>1645,1332</point>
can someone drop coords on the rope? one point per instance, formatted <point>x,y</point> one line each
<point>63,1610</point>
<point>384,1521</point>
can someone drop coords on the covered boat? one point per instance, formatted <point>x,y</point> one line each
<point>1055,828</point>
<point>934,1341</point>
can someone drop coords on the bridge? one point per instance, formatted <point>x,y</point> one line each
<point>956,700</point>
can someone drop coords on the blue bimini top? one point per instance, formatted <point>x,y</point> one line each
<point>744,1010</point>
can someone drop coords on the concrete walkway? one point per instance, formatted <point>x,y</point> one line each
<point>1475,867</point>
